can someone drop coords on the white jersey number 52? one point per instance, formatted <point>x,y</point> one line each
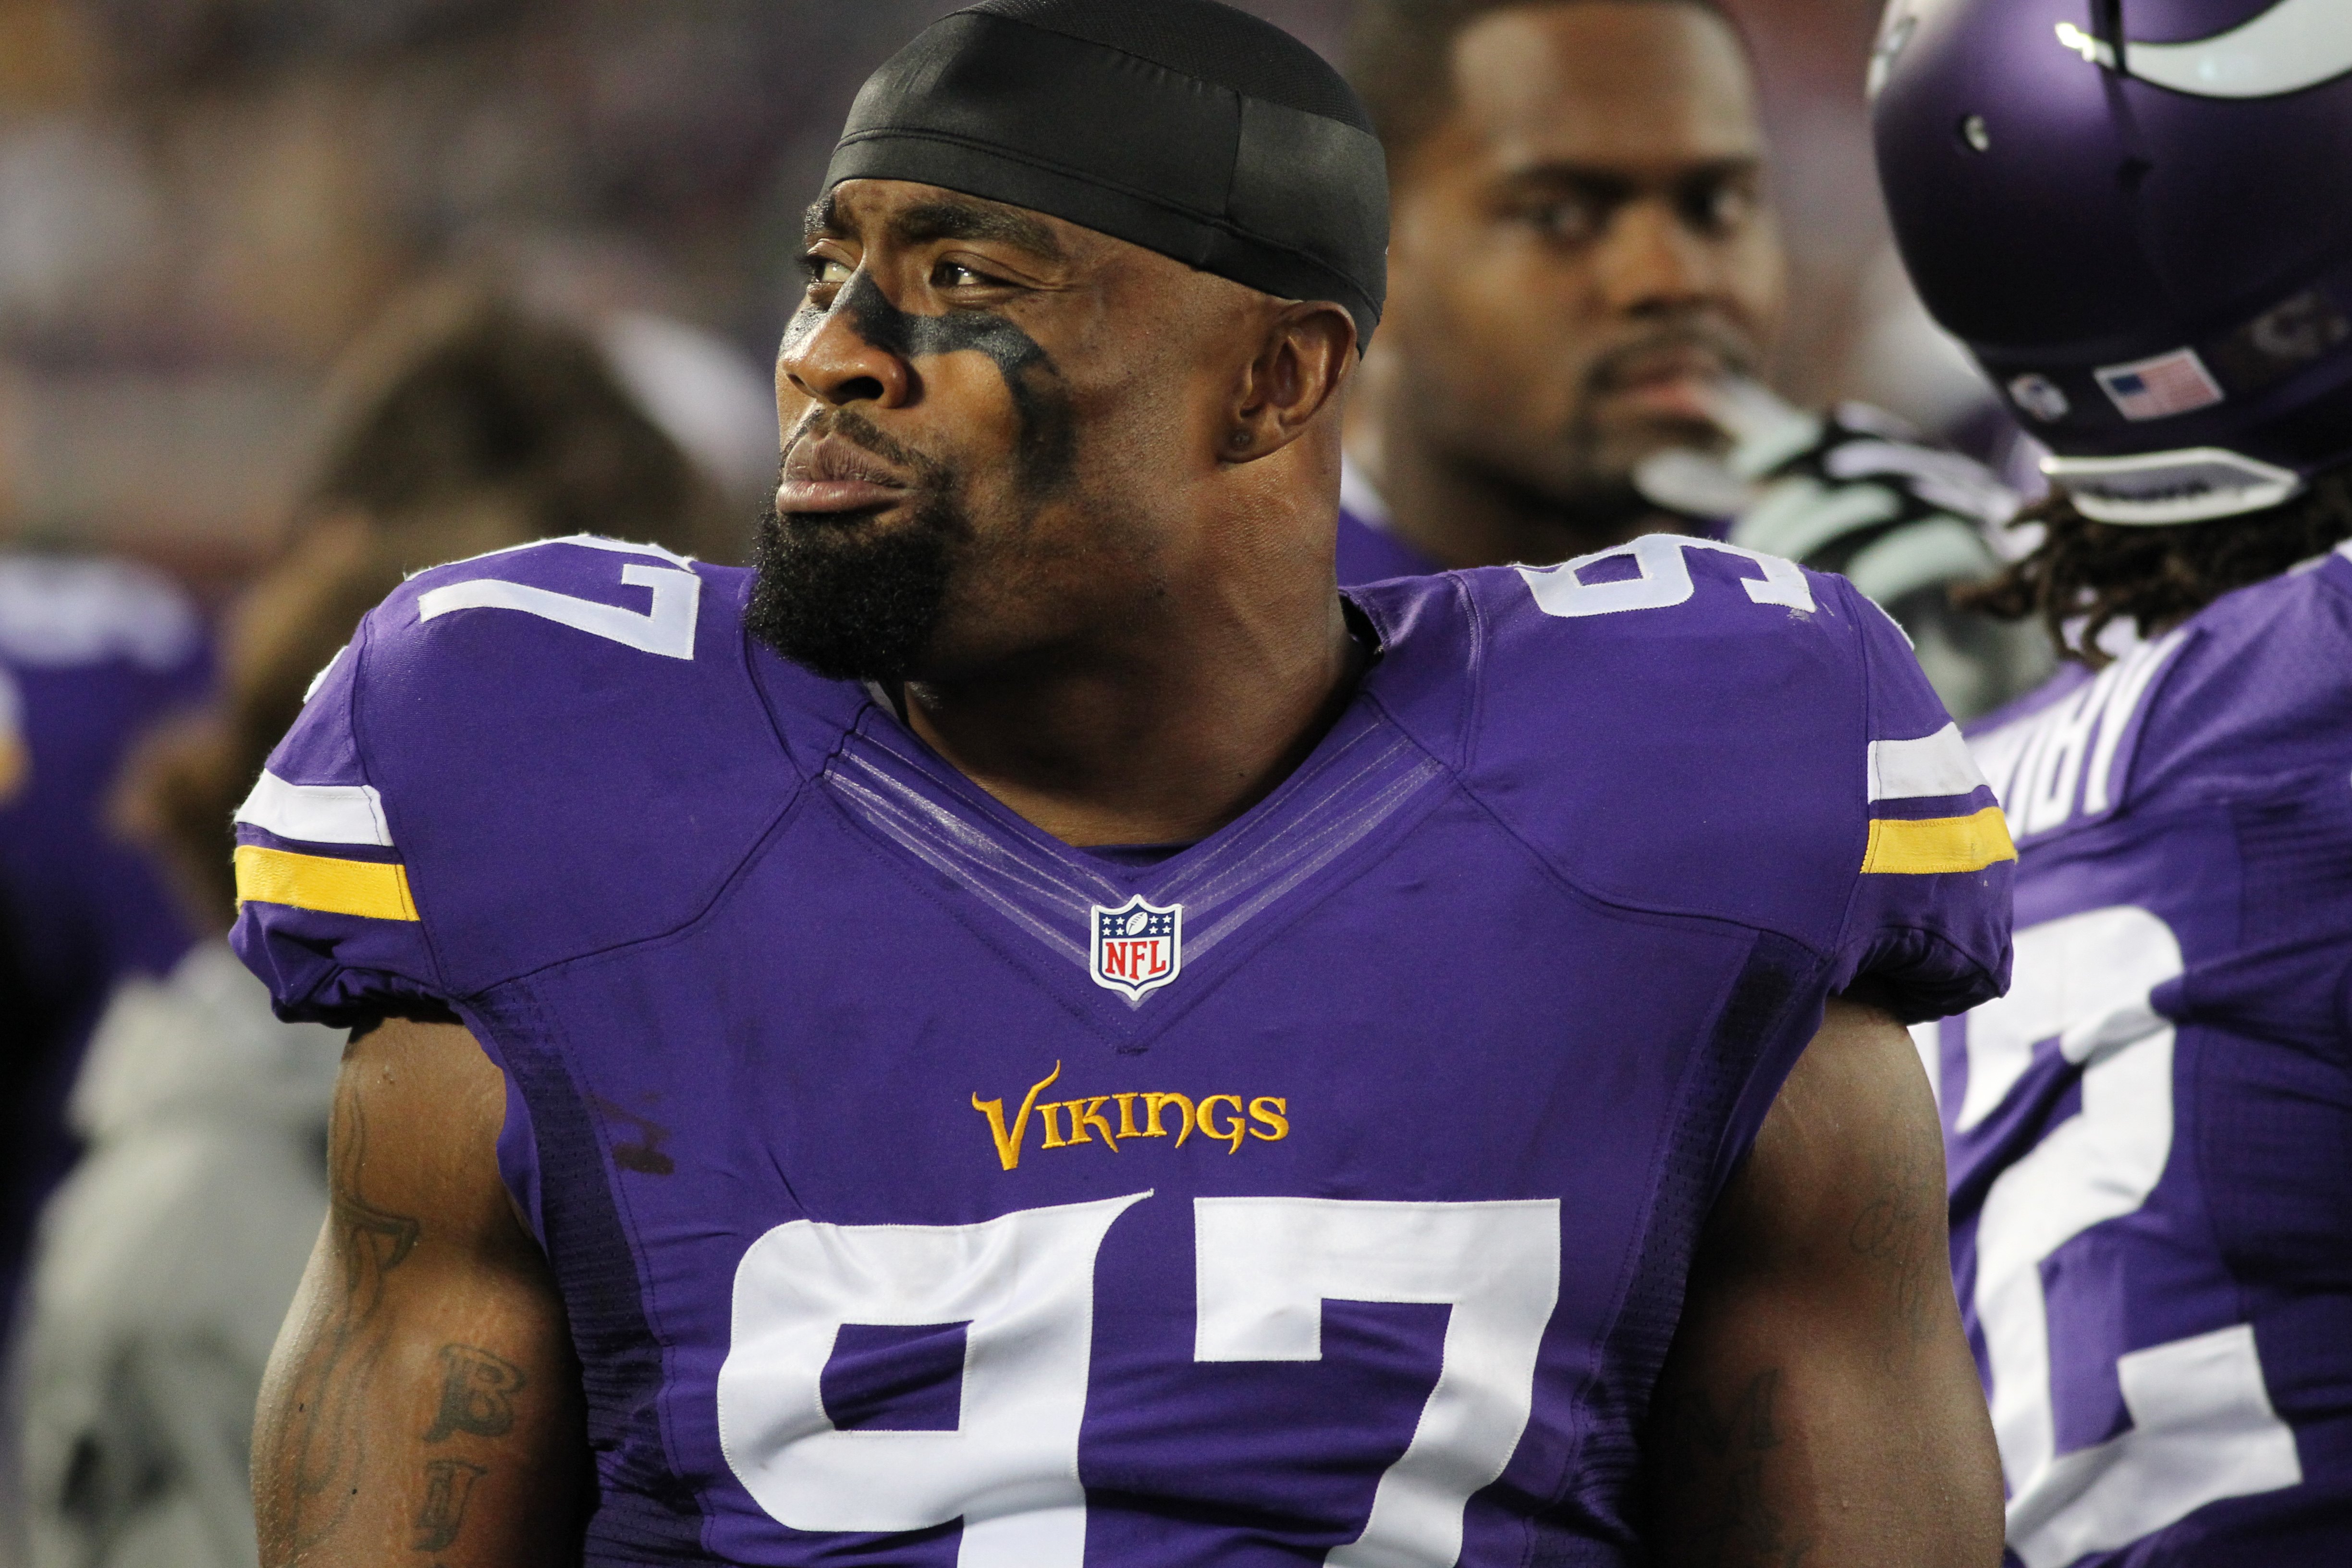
<point>1024,1287</point>
<point>2203,1427</point>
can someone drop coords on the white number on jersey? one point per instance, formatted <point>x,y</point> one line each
<point>1666,579</point>
<point>2202,1425</point>
<point>1265,1267</point>
<point>1024,1285</point>
<point>666,628</point>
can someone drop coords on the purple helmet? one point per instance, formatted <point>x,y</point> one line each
<point>2137,213</point>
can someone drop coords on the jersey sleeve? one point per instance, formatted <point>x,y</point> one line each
<point>325,916</point>
<point>522,759</point>
<point>1927,929</point>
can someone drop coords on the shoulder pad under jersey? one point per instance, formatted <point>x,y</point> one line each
<point>1689,728</point>
<point>522,758</point>
<point>2247,698</point>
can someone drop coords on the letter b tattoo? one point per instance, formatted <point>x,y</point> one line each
<point>478,1392</point>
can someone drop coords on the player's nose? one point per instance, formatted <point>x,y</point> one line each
<point>1650,262</point>
<point>833,358</point>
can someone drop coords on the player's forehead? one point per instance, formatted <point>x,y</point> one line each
<point>902,212</point>
<point>1631,85</point>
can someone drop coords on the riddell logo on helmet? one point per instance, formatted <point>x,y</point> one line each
<point>2041,397</point>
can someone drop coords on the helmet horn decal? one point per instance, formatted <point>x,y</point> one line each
<point>2294,45</point>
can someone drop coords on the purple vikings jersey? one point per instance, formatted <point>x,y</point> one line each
<point>924,1191</point>
<point>1369,552</point>
<point>2151,1198</point>
<point>91,653</point>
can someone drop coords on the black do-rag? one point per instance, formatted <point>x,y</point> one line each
<point>1184,126</point>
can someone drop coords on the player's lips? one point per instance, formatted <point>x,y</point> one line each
<point>1681,397</point>
<point>830,475</point>
<point>1679,383</point>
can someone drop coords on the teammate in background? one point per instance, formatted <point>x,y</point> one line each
<point>1029,1029</point>
<point>1585,282</point>
<point>168,1257</point>
<point>93,654</point>
<point>2145,235</point>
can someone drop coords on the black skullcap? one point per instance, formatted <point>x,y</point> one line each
<point>1184,126</point>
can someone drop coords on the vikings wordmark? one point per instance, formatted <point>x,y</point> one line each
<point>1227,1118</point>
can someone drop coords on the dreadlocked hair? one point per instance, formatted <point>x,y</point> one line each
<point>2088,576</point>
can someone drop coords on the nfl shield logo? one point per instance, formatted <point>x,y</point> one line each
<point>1137,947</point>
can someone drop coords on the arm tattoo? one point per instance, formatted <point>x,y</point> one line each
<point>333,1388</point>
<point>477,1390</point>
<point>477,1394</point>
<point>1898,1230</point>
<point>1713,1495</point>
<point>448,1487</point>
<point>329,1392</point>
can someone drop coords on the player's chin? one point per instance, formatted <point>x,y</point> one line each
<point>1622,444</point>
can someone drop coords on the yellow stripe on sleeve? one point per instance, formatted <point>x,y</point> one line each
<point>1938,844</point>
<point>378,892</point>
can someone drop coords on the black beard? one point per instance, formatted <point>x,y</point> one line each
<point>850,602</point>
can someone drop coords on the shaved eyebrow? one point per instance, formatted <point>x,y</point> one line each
<point>950,220</point>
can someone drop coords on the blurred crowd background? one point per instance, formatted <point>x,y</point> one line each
<point>297,294</point>
<point>205,202</point>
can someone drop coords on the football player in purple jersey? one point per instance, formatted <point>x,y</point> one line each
<point>93,655</point>
<point>1605,161</point>
<point>2138,217</point>
<point>1030,1029</point>
<point>166,1261</point>
<point>1586,280</point>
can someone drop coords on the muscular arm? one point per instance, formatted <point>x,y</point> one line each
<point>1819,1406</point>
<point>422,1407</point>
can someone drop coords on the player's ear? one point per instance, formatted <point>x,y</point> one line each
<point>1306,356</point>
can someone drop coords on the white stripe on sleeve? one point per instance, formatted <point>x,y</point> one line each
<point>1938,764</point>
<point>317,814</point>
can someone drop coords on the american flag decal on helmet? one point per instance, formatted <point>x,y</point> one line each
<point>2159,388</point>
